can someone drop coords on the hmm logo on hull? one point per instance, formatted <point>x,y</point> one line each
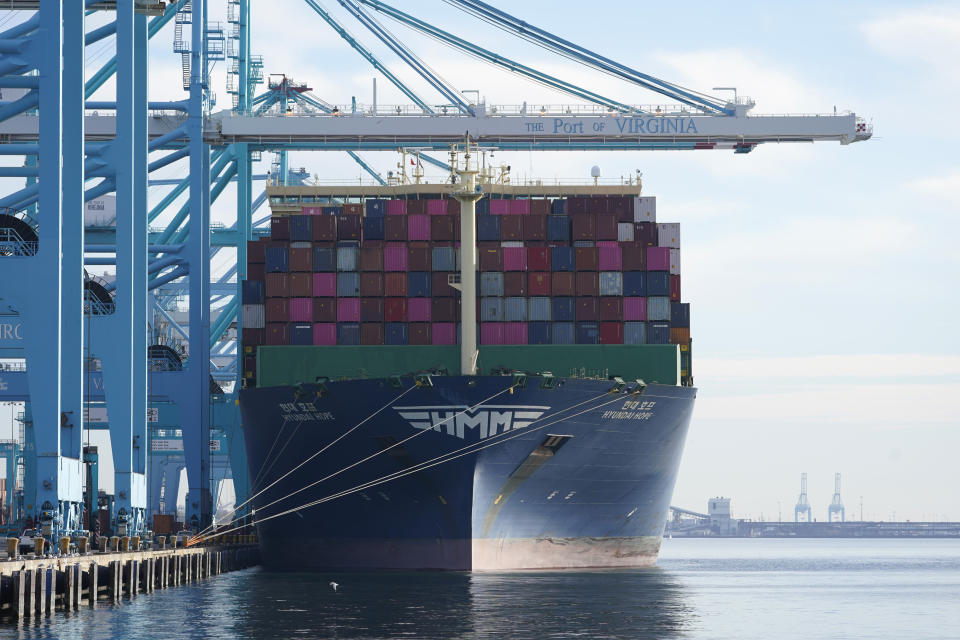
<point>486,420</point>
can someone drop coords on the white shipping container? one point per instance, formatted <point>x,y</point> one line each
<point>668,234</point>
<point>252,316</point>
<point>675,262</point>
<point>625,232</point>
<point>658,308</point>
<point>301,245</point>
<point>100,212</point>
<point>645,209</point>
<point>511,243</point>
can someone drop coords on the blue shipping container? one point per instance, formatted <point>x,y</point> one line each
<point>515,309</point>
<point>611,283</point>
<point>658,283</point>
<point>563,333</point>
<point>396,333</point>
<point>680,314</point>
<point>634,333</point>
<point>634,284</point>
<point>444,259</point>
<point>491,283</point>
<point>488,229</point>
<point>483,207</point>
<point>658,333</point>
<point>558,207</point>
<point>658,308</point>
<point>252,292</point>
<point>538,309</point>
<point>348,333</point>
<point>538,333</point>
<point>374,228</point>
<point>301,229</point>
<point>588,333</point>
<point>347,258</point>
<point>491,309</point>
<point>348,284</point>
<point>418,284</point>
<point>324,259</point>
<point>278,260</point>
<point>301,333</point>
<point>563,308</point>
<point>376,208</point>
<point>558,229</point>
<point>561,259</point>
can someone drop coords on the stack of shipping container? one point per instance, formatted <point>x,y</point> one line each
<point>593,269</point>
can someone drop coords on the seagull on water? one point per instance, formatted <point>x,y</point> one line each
<point>334,585</point>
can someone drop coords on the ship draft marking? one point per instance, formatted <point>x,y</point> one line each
<point>458,420</point>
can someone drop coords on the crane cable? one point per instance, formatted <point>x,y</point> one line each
<point>416,468</point>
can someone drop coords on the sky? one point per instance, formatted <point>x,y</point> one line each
<point>822,278</point>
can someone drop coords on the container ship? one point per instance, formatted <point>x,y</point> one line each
<point>384,432</point>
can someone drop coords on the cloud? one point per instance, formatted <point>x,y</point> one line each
<point>930,35</point>
<point>946,186</point>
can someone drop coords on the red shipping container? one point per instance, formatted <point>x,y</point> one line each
<point>453,207</point>
<point>395,229</point>
<point>277,333</point>
<point>439,287</point>
<point>491,333</point>
<point>645,234</point>
<point>279,228</point>
<point>311,211</point>
<point>443,309</point>
<point>418,256</point>
<point>540,207</point>
<point>395,309</point>
<point>325,310</point>
<point>635,309</point>
<point>418,227</point>
<point>675,288</point>
<point>599,204</point>
<point>325,229</point>
<point>499,207</point>
<point>301,259</point>
<point>348,309</point>
<point>588,283</point>
<point>418,333</point>
<point>301,285</point>
<point>256,252</point>
<point>610,258</point>
<point>515,283</point>
<point>395,256</point>
<point>611,333</point>
<point>256,271</point>
<point>325,333</point>
<point>371,285</point>
<point>253,338</point>
<point>538,284</point>
<point>437,207</point>
<point>397,208</point>
<point>353,209</point>
<point>586,258</point>
<point>577,205</point>
<point>277,285</point>
<point>534,228</point>
<point>633,257</point>
<point>611,309</point>
<point>490,259</point>
<point>519,207</point>
<point>324,285</point>
<point>515,258</point>
<point>444,333</point>
<point>515,333</point>
<point>418,309</point>
<point>371,309</point>
<point>395,284</point>
<point>277,310</point>
<point>349,227</point>
<point>441,227</point>
<point>538,258</point>
<point>563,283</point>
<point>622,207</point>
<point>511,229</point>
<point>658,258</point>
<point>416,207</point>
<point>585,227</point>
<point>587,310</point>
<point>607,227</point>
<point>371,259</point>
<point>301,309</point>
<point>371,333</point>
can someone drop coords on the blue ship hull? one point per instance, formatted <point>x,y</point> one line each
<point>464,474</point>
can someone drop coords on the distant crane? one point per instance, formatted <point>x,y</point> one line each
<point>836,510</point>
<point>801,512</point>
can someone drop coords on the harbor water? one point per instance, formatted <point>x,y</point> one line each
<point>702,588</point>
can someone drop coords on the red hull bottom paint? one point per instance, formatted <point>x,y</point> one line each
<point>564,553</point>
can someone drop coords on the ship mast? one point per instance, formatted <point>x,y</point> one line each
<point>468,194</point>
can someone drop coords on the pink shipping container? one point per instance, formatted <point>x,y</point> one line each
<point>418,309</point>
<point>396,207</point>
<point>515,333</point>
<point>437,207</point>
<point>324,285</point>
<point>312,211</point>
<point>325,333</point>
<point>499,207</point>
<point>635,309</point>
<point>395,257</point>
<point>611,258</point>
<point>418,228</point>
<point>514,259</point>
<point>444,333</point>
<point>348,309</point>
<point>658,258</point>
<point>491,333</point>
<point>518,207</point>
<point>606,243</point>
<point>301,309</point>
